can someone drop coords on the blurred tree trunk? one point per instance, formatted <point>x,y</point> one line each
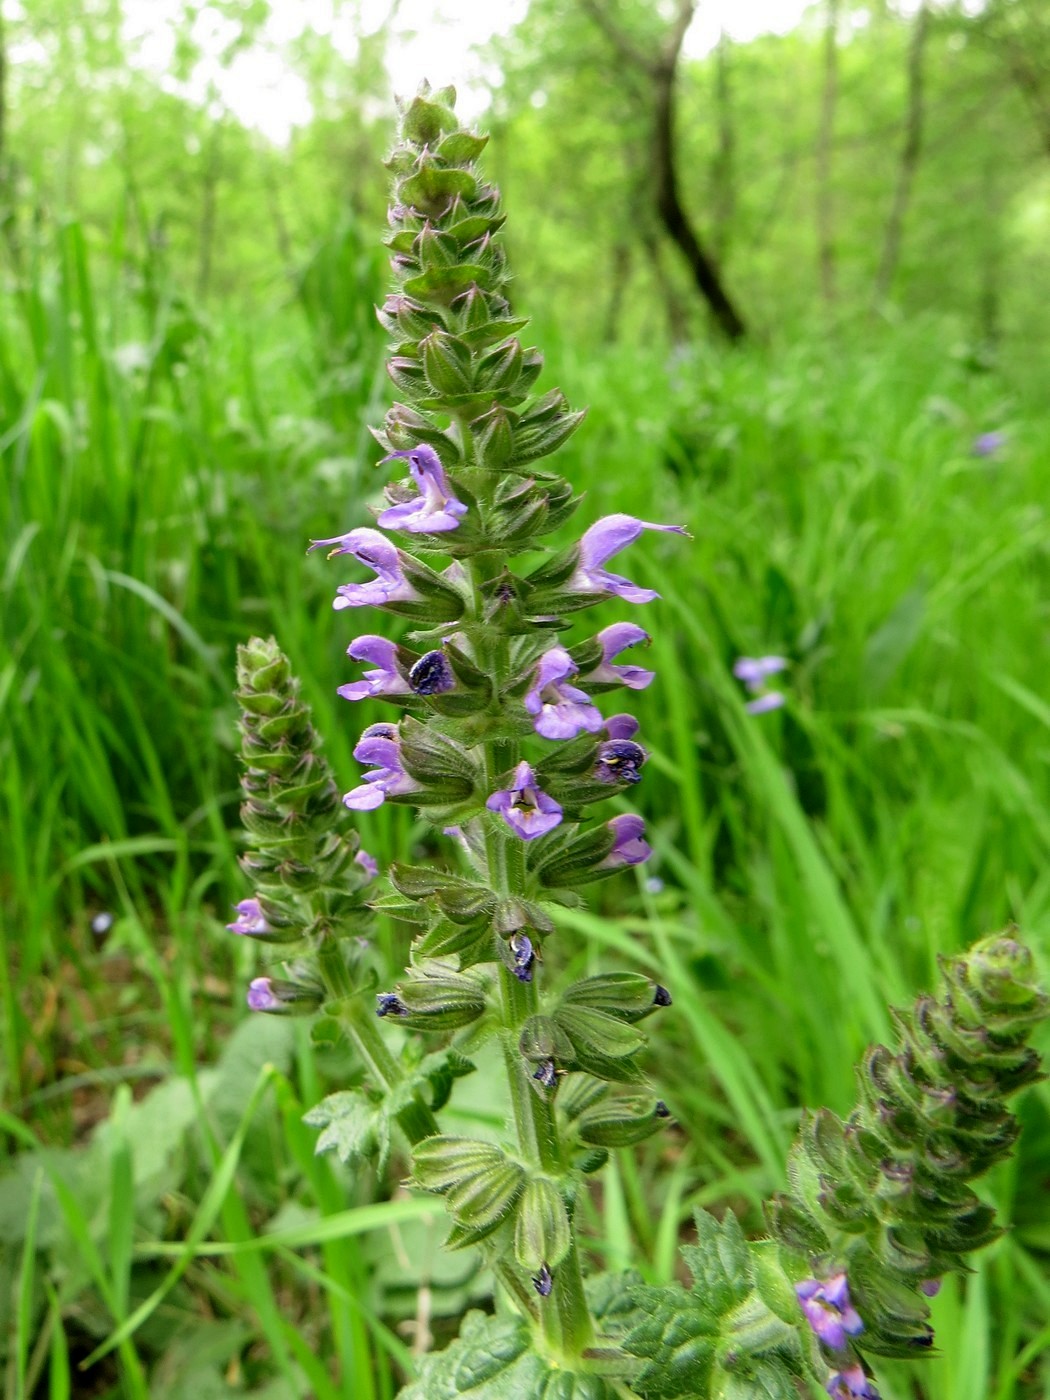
<point>723,166</point>
<point>825,139</point>
<point>661,71</point>
<point>910,153</point>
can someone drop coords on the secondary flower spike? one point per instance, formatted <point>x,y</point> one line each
<point>560,710</point>
<point>524,807</point>
<point>435,510</point>
<point>376,552</point>
<point>605,538</point>
<point>379,744</point>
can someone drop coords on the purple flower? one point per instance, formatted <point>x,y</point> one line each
<point>613,640</point>
<point>388,679</point>
<point>250,920</point>
<point>381,745</point>
<point>828,1310</point>
<point>754,670</point>
<point>621,726</point>
<point>524,956</point>
<point>368,864</point>
<point>275,994</point>
<point>432,674</point>
<point>772,700</point>
<point>619,761</point>
<point>930,1286</point>
<point>605,538</point>
<point>630,846</point>
<point>989,444</point>
<point>435,509</point>
<point>559,710</point>
<point>851,1384</point>
<point>524,808</point>
<point>376,552</point>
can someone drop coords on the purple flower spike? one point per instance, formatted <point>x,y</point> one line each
<point>605,538</point>
<point>851,1384</point>
<point>615,639</point>
<point>368,864</point>
<point>379,744</point>
<point>559,710</point>
<point>376,552</point>
<point>753,670</point>
<point>261,995</point>
<point>435,510</point>
<point>250,920</point>
<point>772,700</point>
<point>387,679</point>
<point>826,1304</point>
<point>526,810</point>
<point>630,846</point>
<point>621,726</point>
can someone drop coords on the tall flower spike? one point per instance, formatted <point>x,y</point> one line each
<point>605,538</point>
<point>436,510</point>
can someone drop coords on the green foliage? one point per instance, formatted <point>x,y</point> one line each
<point>492,1359</point>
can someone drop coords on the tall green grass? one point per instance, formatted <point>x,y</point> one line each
<point>162,474</point>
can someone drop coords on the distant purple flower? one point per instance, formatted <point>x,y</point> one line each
<point>381,745</point>
<point>524,808</point>
<point>547,1074</point>
<point>630,846</point>
<point>605,538</point>
<point>368,864</point>
<point>772,700</point>
<point>613,640</point>
<point>250,920</point>
<point>432,674</point>
<point>389,1004</point>
<point>989,444</point>
<point>387,679</point>
<point>754,670</point>
<point>621,726</point>
<point>376,552</point>
<point>559,710</point>
<point>826,1304</point>
<point>851,1384</point>
<point>543,1282</point>
<point>435,510</point>
<point>619,761</point>
<point>661,997</point>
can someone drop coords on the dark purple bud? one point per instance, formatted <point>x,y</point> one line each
<point>543,1282</point>
<point>524,956</point>
<point>432,674</point>
<point>388,1004</point>
<point>619,761</point>
<point>547,1074</point>
<point>661,997</point>
<point>661,1110</point>
<point>930,1286</point>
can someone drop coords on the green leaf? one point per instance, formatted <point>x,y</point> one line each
<point>492,1360</point>
<point>352,1128</point>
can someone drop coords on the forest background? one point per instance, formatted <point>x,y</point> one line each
<point>801,283</point>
